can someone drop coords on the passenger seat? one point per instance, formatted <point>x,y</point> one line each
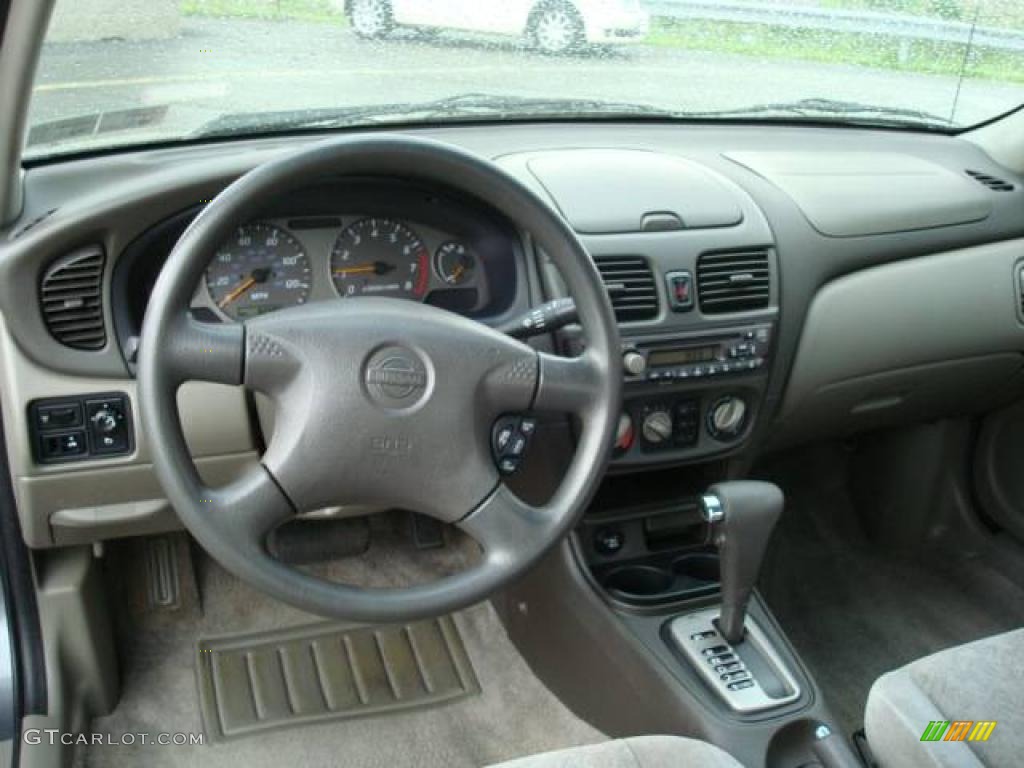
<point>977,683</point>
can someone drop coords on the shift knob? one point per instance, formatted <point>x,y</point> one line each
<point>742,514</point>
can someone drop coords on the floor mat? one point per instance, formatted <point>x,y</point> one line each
<point>276,679</point>
<point>513,715</point>
<point>855,611</point>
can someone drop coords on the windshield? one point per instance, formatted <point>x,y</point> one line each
<point>157,70</point>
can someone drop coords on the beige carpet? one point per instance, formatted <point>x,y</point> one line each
<point>514,715</point>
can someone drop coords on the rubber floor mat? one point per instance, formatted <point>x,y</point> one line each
<point>280,678</point>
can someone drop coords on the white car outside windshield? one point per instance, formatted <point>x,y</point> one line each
<point>116,73</point>
<point>553,27</point>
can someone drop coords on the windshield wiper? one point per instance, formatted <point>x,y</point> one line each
<point>475,106</point>
<point>850,111</point>
<point>468,106</point>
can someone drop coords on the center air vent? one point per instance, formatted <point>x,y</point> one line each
<point>630,286</point>
<point>72,299</point>
<point>733,282</point>
<point>992,182</point>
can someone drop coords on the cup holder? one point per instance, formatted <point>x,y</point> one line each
<point>700,568</point>
<point>639,580</point>
<point>664,580</point>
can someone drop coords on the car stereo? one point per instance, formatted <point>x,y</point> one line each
<point>698,357</point>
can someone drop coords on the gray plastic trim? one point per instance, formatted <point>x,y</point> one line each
<point>851,194</point>
<point>929,311</point>
<point>653,191</point>
<point>19,54</point>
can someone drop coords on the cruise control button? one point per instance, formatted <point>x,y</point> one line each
<point>528,427</point>
<point>518,446</point>
<point>508,465</point>
<point>503,438</point>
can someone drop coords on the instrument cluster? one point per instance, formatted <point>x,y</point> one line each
<point>272,264</point>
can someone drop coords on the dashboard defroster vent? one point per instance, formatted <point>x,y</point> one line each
<point>739,281</point>
<point>992,182</point>
<point>630,285</point>
<point>71,294</point>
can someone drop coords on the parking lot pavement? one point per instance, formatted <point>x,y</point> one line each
<point>217,67</point>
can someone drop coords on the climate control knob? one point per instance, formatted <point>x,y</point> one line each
<point>727,417</point>
<point>657,427</point>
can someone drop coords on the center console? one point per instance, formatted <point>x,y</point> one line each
<point>691,395</point>
<point>654,593</point>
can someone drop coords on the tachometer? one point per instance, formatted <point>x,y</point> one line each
<point>261,269</point>
<point>380,257</point>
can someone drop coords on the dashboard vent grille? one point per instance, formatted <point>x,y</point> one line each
<point>72,299</point>
<point>733,282</point>
<point>992,182</point>
<point>630,285</point>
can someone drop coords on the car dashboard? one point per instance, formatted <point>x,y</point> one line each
<point>771,285</point>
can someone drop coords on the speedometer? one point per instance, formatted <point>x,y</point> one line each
<point>380,257</point>
<point>261,269</point>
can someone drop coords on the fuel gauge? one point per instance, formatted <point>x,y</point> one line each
<point>454,263</point>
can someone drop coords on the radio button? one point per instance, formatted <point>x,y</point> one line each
<point>634,363</point>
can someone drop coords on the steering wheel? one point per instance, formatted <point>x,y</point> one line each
<point>383,402</point>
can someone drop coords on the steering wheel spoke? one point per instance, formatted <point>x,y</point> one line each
<point>506,526</point>
<point>198,351</point>
<point>568,384</point>
<point>246,510</point>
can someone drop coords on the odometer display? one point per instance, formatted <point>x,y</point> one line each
<point>261,269</point>
<point>380,257</point>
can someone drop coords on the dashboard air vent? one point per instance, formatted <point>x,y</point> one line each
<point>733,282</point>
<point>992,182</point>
<point>630,285</point>
<point>71,293</point>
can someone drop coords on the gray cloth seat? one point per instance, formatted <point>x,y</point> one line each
<point>979,681</point>
<point>638,752</point>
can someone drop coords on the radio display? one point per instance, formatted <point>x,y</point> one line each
<point>663,357</point>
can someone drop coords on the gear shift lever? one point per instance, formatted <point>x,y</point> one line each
<point>742,515</point>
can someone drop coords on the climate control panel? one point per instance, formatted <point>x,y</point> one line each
<point>680,423</point>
